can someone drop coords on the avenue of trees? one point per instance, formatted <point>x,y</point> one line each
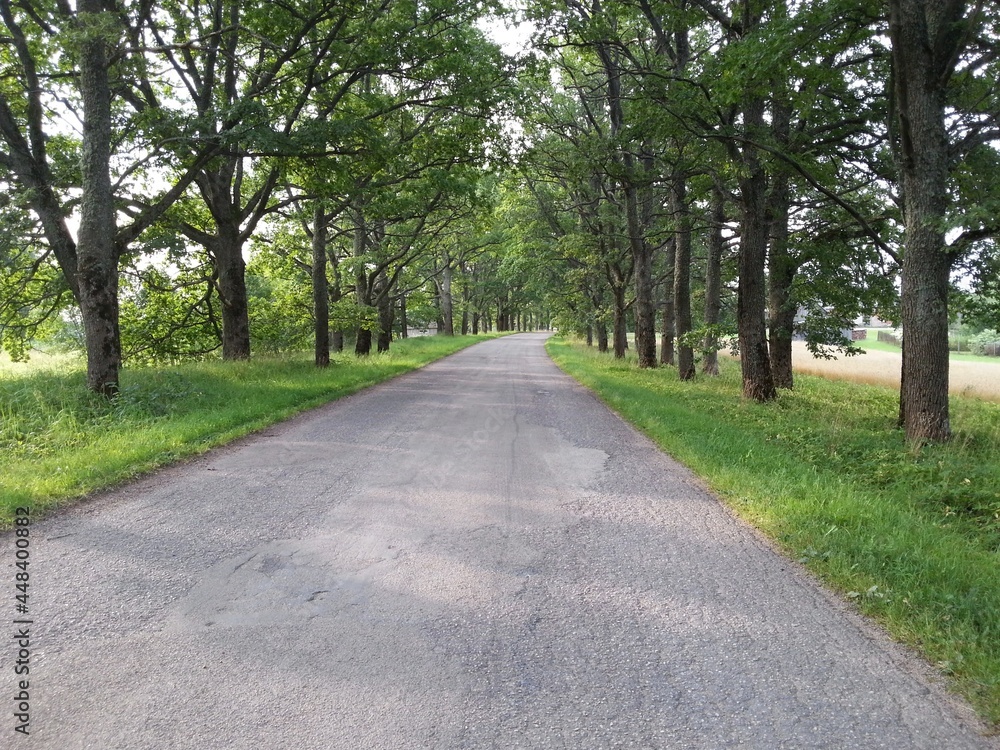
<point>765,168</point>
<point>207,175</point>
<point>147,148</point>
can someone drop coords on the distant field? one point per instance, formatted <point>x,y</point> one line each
<point>976,377</point>
<point>39,362</point>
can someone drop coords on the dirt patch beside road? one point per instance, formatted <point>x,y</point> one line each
<point>979,379</point>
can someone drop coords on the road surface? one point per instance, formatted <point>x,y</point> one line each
<point>475,555</point>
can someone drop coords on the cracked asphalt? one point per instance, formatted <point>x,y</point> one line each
<point>475,555</point>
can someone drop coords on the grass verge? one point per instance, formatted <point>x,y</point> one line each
<point>60,442</point>
<point>911,536</point>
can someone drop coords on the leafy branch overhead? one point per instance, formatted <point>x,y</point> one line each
<point>647,170</point>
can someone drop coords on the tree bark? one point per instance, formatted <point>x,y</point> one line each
<point>620,330</point>
<point>601,328</point>
<point>444,292</point>
<point>363,342</point>
<point>336,294</point>
<point>680,210</point>
<point>363,339</point>
<point>682,277</point>
<point>386,314</point>
<point>924,51</point>
<point>465,314</point>
<point>28,152</point>
<point>782,268</point>
<point>33,173</point>
<point>713,281</point>
<point>642,256</point>
<point>232,290</point>
<point>320,288</point>
<point>97,260</point>
<point>758,383</point>
<point>668,336</point>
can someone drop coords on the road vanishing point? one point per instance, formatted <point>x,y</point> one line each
<point>478,554</point>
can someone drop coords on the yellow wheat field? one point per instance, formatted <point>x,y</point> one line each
<point>978,379</point>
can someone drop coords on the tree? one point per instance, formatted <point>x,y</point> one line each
<point>578,204</point>
<point>930,74</point>
<point>49,47</point>
<point>97,261</point>
<point>90,267</point>
<point>238,85</point>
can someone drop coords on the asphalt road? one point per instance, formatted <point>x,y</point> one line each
<point>475,555</point>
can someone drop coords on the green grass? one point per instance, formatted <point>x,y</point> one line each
<point>912,536</point>
<point>60,442</point>
<point>873,344</point>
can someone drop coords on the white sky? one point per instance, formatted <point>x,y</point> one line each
<point>512,39</point>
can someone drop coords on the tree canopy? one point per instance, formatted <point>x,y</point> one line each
<point>197,176</point>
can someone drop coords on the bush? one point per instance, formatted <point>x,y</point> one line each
<point>986,343</point>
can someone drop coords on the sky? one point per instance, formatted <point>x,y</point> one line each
<point>512,39</point>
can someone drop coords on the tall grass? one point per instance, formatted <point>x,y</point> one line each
<point>911,535</point>
<point>58,441</point>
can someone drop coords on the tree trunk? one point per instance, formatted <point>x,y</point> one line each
<point>782,268</point>
<point>924,54</point>
<point>386,316</point>
<point>404,324</point>
<point>27,152</point>
<point>682,278</point>
<point>363,339</point>
<point>363,342</point>
<point>642,255</point>
<point>386,313</point>
<point>620,333</point>
<point>713,281</point>
<point>97,260</point>
<point>320,288</point>
<point>758,383</point>
<point>475,323</point>
<point>444,291</point>
<point>645,311</point>
<point>681,291</point>
<point>232,291</point>
<point>226,251</point>
<point>668,335</point>
<point>336,293</point>
<point>465,309</point>
<point>602,336</point>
